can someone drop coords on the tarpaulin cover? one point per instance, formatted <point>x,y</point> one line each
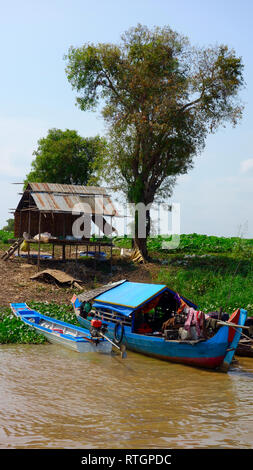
<point>128,296</point>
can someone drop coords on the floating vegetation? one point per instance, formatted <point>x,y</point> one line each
<point>13,330</point>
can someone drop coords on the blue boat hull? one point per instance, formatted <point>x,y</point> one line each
<point>59,332</point>
<point>216,352</point>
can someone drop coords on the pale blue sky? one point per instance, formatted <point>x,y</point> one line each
<point>216,196</point>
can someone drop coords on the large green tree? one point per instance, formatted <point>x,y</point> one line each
<point>160,97</point>
<point>67,158</point>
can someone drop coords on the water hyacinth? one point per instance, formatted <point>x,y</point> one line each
<point>194,243</point>
<point>13,330</point>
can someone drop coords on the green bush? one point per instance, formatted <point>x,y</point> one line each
<point>5,236</point>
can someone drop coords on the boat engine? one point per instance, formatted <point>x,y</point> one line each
<point>97,327</point>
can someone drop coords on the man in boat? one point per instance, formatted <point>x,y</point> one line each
<point>85,309</point>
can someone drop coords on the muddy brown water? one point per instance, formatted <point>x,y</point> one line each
<point>54,398</point>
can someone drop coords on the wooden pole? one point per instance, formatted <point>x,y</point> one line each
<point>38,260</point>
<point>20,227</point>
<point>29,229</point>
<point>233,325</point>
<point>111,245</point>
<point>52,233</point>
<point>63,252</point>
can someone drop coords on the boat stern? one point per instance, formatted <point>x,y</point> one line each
<point>234,335</point>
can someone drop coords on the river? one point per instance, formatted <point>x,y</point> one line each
<point>54,398</point>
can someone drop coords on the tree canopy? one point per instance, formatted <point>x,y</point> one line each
<point>161,97</point>
<point>9,227</point>
<point>67,158</point>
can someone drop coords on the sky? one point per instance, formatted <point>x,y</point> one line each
<point>216,196</point>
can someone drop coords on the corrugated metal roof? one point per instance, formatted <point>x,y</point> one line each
<point>66,188</point>
<point>50,197</point>
<point>101,205</point>
<point>86,296</point>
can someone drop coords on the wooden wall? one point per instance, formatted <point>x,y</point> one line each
<point>59,225</point>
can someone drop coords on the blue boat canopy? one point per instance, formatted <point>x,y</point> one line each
<point>128,296</point>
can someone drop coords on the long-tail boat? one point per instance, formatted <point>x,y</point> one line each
<point>151,319</point>
<point>65,334</point>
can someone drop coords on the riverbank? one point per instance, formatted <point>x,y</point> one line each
<point>211,272</point>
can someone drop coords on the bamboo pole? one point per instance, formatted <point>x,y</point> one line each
<point>234,325</point>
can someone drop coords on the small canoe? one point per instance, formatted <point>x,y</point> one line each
<point>245,345</point>
<point>59,332</point>
<point>245,348</point>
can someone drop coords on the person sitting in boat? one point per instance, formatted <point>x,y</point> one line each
<point>85,309</point>
<point>172,319</point>
<point>164,310</point>
<point>174,322</point>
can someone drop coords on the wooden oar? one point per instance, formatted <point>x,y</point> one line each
<point>122,347</point>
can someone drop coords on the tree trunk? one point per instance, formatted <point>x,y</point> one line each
<point>140,243</point>
<point>142,221</point>
<point>148,223</point>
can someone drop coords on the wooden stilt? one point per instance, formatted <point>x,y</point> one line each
<point>38,260</point>
<point>19,231</point>
<point>111,245</point>
<point>29,228</point>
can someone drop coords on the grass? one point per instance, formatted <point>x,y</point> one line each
<point>211,271</point>
<point>4,237</point>
<point>212,283</point>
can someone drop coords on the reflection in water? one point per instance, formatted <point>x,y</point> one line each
<point>55,398</point>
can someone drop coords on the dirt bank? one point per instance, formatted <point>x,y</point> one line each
<point>16,285</point>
